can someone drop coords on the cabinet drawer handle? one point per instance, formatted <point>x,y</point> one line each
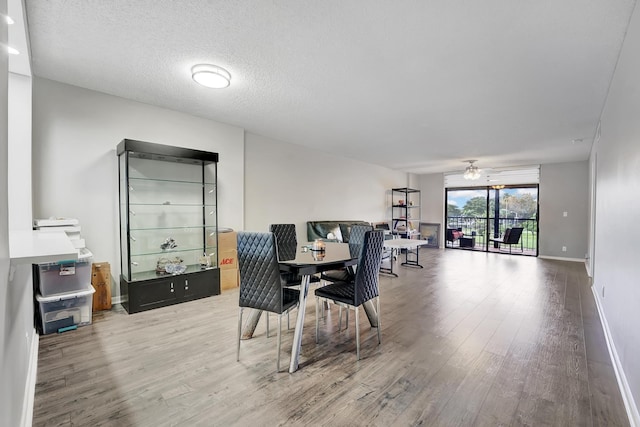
<point>186,284</point>
<point>171,286</point>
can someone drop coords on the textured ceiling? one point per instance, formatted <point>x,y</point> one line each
<point>417,86</point>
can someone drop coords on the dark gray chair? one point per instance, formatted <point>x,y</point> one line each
<point>511,237</point>
<point>356,239</point>
<point>286,240</point>
<point>261,285</point>
<point>287,244</point>
<point>363,288</point>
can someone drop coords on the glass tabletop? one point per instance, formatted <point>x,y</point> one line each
<point>308,261</point>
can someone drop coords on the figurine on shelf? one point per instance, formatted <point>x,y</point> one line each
<point>169,243</point>
<point>170,266</point>
<point>205,261</point>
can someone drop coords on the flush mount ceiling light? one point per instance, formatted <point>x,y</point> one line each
<point>13,50</point>
<point>9,20</point>
<point>471,172</point>
<point>211,76</point>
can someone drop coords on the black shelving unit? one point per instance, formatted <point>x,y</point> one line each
<point>405,212</point>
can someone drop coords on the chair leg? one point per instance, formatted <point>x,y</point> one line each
<point>239,334</point>
<point>339,317</point>
<point>267,314</point>
<point>346,318</point>
<point>279,341</point>
<point>379,323</point>
<point>317,314</point>
<point>357,335</point>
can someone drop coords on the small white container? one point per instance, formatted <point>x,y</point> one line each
<point>60,311</point>
<point>65,276</point>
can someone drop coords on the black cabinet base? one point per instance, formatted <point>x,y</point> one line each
<point>168,290</point>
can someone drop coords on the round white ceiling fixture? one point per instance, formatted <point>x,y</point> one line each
<point>13,50</point>
<point>211,76</point>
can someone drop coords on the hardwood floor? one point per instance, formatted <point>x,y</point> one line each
<point>473,339</point>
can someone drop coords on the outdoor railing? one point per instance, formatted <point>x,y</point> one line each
<point>474,226</point>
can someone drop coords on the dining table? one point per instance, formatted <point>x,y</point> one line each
<point>309,262</point>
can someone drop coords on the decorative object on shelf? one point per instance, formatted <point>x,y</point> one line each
<point>205,261</point>
<point>169,243</point>
<point>318,245</point>
<point>168,265</point>
<point>175,267</point>
<point>401,202</point>
<point>471,172</point>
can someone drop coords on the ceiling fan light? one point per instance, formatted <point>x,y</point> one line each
<point>211,76</point>
<point>471,172</point>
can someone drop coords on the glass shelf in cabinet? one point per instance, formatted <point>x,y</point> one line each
<point>169,204</point>
<point>132,178</point>
<point>169,252</point>
<point>186,227</point>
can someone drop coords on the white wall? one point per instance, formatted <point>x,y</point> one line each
<point>20,110</point>
<point>617,253</point>
<point>75,169</point>
<point>10,399</point>
<point>286,183</point>
<point>432,201</point>
<point>564,187</point>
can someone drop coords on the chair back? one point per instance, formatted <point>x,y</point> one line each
<point>260,284</point>
<point>366,280</point>
<point>356,239</point>
<point>512,236</point>
<point>286,240</point>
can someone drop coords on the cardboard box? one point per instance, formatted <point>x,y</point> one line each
<point>228,260</point>
<point>101,282</point>
<point>227,241</point>
<point>229,279</point>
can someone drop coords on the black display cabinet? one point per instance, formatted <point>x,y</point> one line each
<point>168,225</point>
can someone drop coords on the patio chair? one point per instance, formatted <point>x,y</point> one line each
<point>511,237</point>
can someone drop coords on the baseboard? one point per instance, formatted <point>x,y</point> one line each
<point>116,300</point>
<point>559,258</point>
<point>30,389</point>
<point>627,396</point>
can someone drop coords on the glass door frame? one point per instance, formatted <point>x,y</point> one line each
<point>494,224</point>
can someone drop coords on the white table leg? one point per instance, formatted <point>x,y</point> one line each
<point>297,334</point>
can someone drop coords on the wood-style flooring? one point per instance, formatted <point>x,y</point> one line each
<point>473,339</point>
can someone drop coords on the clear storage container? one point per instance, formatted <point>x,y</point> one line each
<point>61,311</point>
<point>64,276</point>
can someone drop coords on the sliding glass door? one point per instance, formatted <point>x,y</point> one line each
<point>482,219</point>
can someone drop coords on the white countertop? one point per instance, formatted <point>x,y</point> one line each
<point>33,247</point>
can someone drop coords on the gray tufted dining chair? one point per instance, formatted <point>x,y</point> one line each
<point>363,288</point>
<point>261,285</point>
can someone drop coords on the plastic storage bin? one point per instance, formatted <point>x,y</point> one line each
<point>65,276</point>
<point>60,311</point>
